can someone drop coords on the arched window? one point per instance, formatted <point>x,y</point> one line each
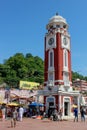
<point>65,58</point>
<point>51,66</point>
<point>51,58</point>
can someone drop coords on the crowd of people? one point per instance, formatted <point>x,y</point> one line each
<point>17,113</point>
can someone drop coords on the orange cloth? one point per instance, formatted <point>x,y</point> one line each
<point>39,117</point>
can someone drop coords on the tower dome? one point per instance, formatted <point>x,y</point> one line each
<point>57,21</point>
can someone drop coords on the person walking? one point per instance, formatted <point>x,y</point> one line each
<point>60,115</point>
<point>75,114</point>
<point>14,117</point>
<point>1,115</point>
<point>21,111</point>
<point>82,111</point>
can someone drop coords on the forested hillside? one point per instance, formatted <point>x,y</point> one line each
<point>20,67</point>
<point>27,68</point>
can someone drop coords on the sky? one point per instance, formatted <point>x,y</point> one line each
<point>23,27</point>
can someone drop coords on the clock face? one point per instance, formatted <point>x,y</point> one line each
<point>65,41</point>
<point>51,41</point>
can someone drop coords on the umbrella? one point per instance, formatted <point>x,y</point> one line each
<point>13,104</point>
<point>35,104</point>
<point>41,105</point>
<point>2,103</point>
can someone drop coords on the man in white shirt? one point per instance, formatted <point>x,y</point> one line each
<point>21,111</point>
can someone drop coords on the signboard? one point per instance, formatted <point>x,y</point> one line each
<point>66,99</point>
<point>28,85</point>
<point>50,99</point>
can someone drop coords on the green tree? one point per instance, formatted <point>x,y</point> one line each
<point>20,67</point>
<point>76,75</point>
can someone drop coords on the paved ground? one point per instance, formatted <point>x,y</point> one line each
<point>37,124</point>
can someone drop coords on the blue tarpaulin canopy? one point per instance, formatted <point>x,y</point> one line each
<point>35,104</point>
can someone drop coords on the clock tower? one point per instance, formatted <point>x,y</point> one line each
<point>58,90</point>
<point>57,53</point>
